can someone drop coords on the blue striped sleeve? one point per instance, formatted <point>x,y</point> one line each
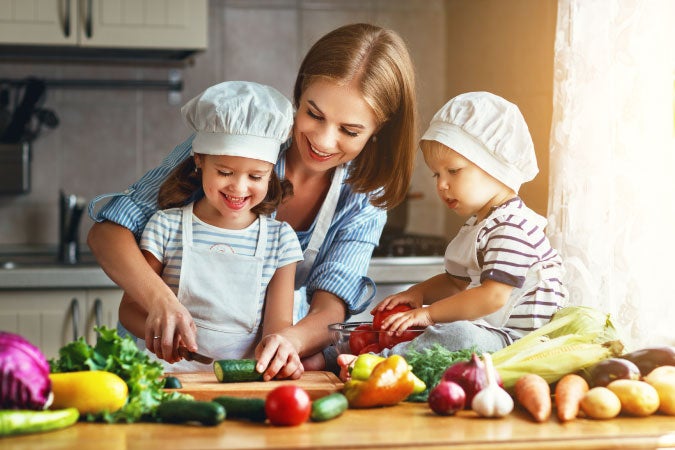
<point>133,208</point>
<point>342,265</point>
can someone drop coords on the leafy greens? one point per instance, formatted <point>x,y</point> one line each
<point>122,357</point>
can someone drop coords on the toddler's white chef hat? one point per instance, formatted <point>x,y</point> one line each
<point>239,118</point>
<point>490,132</point>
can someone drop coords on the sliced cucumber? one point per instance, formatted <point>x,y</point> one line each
<point>236,370</point>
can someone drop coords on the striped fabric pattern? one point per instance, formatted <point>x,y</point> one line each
<point>342,263</point>
<point>513,249</point>
<point>163,238</point>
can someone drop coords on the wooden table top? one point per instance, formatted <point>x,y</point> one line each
<point>405,426</point>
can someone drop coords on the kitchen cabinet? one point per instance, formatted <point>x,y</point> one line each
<point>128,24</point>
<point>51,318</point>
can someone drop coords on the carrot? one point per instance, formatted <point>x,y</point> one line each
<point>534,394</point>
<point>568,394</point>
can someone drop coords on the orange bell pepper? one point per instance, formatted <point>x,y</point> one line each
<point>390,382</point>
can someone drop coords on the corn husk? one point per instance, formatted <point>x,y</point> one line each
<point>575,338</point>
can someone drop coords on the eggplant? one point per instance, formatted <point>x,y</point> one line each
<point>648,359</point>
<point>610,369</point>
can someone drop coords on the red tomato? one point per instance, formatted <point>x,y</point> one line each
<point>288,405</point>
<point>388,341</point>
<point>381,315</point>
<point>374,347</point>
<point>360,337</point>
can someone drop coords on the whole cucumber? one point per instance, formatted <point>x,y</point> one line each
<point>185,411</point>
<point>328,407</point>
<point>648,359</point>
<point>14,422</point>
<point>252,409</point>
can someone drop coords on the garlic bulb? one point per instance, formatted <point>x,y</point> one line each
<point>492,400</point>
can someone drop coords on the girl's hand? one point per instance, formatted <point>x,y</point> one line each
<point>407,297</point>
<point>399,322</point>
<point>278,358</point>
<point>167,326</point>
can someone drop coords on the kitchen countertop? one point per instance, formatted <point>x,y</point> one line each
<point>40,270</point>
<point>408,425</point>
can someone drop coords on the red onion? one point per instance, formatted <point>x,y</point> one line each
<point>470,375</point>
<point>24,374</point>
<point>447,398</point>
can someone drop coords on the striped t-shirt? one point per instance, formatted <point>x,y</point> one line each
<point>163,236</point>
<point>512,248</point>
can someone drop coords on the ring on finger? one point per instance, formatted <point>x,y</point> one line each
<point>156,337</point>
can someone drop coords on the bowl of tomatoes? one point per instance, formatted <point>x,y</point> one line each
<point>363,337</point>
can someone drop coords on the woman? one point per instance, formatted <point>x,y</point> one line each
<point>350,158</point>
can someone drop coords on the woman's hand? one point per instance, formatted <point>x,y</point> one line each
<point>278,358</point>
<point>399,322</point>
<point>167,326</point>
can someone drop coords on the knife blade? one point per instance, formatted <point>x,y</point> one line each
<point>194,356</point>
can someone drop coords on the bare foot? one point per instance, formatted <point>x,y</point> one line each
<point>345,361</point>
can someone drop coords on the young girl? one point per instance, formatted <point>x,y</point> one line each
<point>502,278</point>
<point>229,264</point>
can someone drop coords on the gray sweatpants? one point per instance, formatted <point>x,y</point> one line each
<point>453,336</point>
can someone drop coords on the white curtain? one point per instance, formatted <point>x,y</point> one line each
<point>612,166</point>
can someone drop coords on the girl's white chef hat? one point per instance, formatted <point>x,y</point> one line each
<point>239,118</point>
<point>490,132</point>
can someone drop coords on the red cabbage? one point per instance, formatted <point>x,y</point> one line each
<point>24,374</point>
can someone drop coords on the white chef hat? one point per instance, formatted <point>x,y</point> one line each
<point>490,132</point>
<point>239,118</point>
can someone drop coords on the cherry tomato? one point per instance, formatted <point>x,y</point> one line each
<point>360,337</point>
<point>288,405</point>
<point>381,315</point>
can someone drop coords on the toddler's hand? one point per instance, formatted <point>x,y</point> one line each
<point>402,298</point>
<point>399,322</point>
<point>345,361</point>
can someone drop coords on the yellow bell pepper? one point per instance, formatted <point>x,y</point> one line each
<point>366,362</point>
<point>390,382</point>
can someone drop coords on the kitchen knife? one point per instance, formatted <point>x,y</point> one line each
<point>194,356</point>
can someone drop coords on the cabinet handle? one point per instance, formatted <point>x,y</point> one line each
<point>66,20</point>
<point>75,313</point>
<point>98,308</point>
<point>87,24</point>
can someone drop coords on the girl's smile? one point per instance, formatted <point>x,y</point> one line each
<point>232,185</point>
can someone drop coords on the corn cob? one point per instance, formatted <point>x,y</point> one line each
<point>552,353</point>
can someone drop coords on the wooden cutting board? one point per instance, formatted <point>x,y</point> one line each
<point>204,386</point>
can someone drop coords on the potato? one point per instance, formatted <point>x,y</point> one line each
<point>638,398</point>
<point>600,403</point>
<point>663,380</point>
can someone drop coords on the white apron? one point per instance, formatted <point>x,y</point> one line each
<point>461,256</point>
<point>222,292</point>
<point>323,221</point>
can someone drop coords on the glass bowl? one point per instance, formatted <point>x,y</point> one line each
<point>355,338</point>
